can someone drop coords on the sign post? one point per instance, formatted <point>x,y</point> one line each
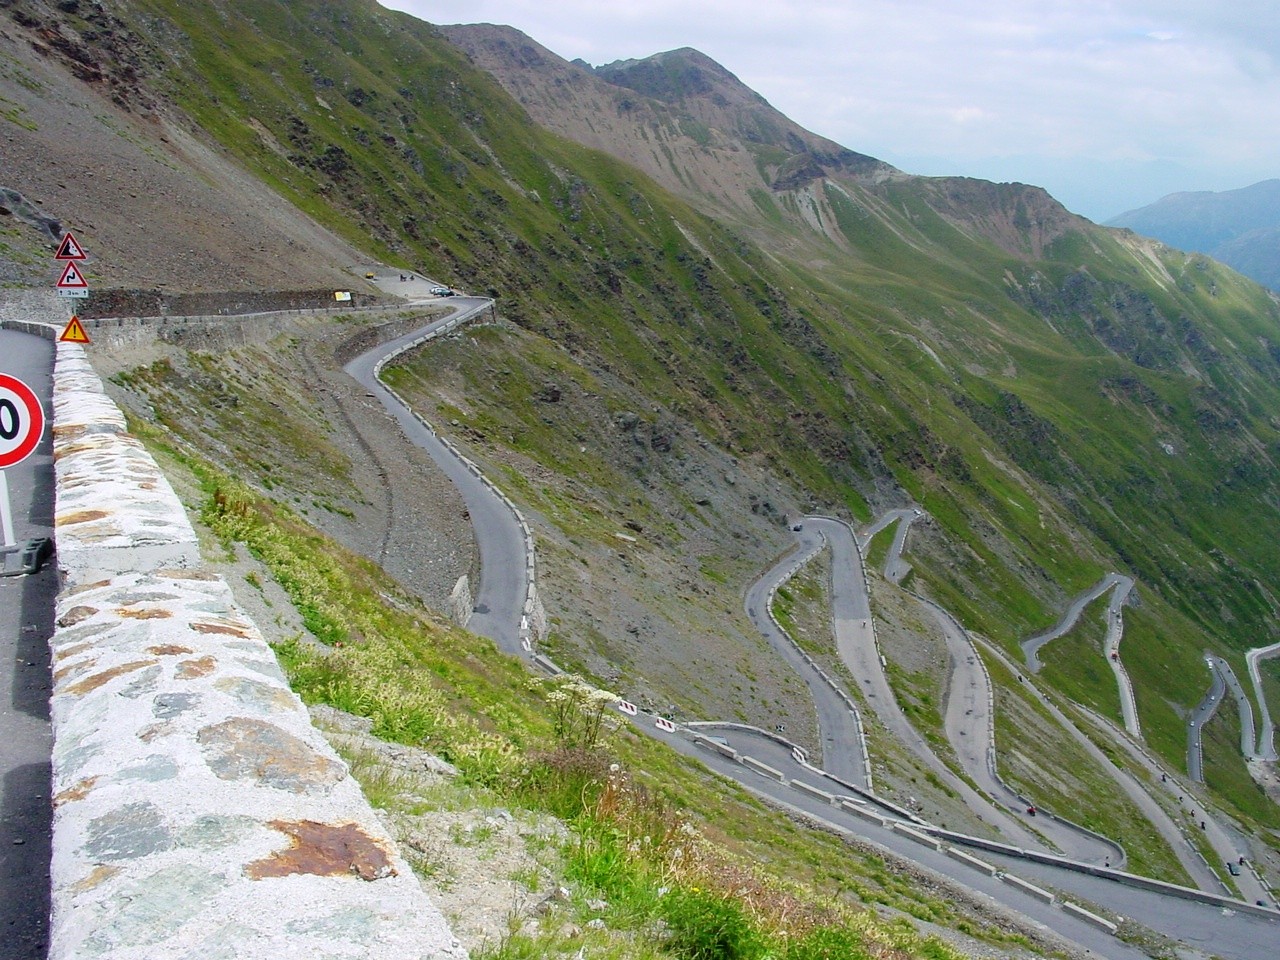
<point>21,427</point>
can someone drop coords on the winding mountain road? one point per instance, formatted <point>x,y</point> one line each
<point>1204,712</point>
<point>501,605</point>
<point>969,722</point>
<point>1120,585</point>
<point>856,646</point>
<point>1266,731</point>
<point>1194,865</point>
<point>1031,646</point>
<point>840,732</point>
<point>501,596</point>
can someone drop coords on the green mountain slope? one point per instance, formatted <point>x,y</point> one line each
<point>1078,374</point>
<point>1062,399</point>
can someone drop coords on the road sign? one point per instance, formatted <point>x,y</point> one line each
<point>74,294</point>
<point>70,249</point>
<point>72,279</point>
<point>21,421</point>
<point>74,331</point>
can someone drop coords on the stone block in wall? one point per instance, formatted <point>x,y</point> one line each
<point>115,512</point>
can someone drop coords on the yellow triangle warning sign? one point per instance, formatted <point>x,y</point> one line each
<point>73,332</point>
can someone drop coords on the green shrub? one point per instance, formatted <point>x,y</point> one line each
<point>709,926</point>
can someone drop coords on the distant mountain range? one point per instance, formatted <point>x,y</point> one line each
<point>1240,228</point>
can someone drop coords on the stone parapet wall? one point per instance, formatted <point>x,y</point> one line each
<point>197,811</point>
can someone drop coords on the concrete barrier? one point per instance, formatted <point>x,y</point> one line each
<point>1110,873</point>
<point>813,791</point>
<point>861,810</point>
<point>721,748</point>
<point>196,810</point>
<point>1102,923</point>
<point>764,768</point>
<point>955,853</point>
<point>1031,888</point>
<point>921,838</point>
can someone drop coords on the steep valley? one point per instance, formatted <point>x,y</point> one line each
<point>708,323</point>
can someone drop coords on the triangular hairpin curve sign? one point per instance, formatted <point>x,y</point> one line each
<point>72,278</point>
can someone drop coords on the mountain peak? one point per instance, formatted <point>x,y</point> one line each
<point>675,76</point>
<point>680,116</point>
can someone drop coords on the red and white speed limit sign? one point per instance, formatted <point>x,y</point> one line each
<point>21,421</point>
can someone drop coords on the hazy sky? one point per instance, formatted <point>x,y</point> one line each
<point>1110,105</point>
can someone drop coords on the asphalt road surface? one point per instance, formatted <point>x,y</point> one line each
<point>1198,717</point>
<point>1111,650</point>
<point>1248,738</point>
<point>895,568</point>
<point>855,643</point>
<point>26,623</point>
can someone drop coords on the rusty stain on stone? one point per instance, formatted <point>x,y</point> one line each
<point>80,666</point>
<point>85,587</point>
<point>153,730</point>
<point>71,651</point>
<point>94,878</point>
<point>77,791</point>
<point>324,850</point>
<point>180,574</point>
<point>228,627</point>
<point>75,615</point>
<point>89,684</point>
<point>192,669</point>
<point>169,650</point>
<point>152,614</point>
<point>81,444</point>
<point>79,516</point>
